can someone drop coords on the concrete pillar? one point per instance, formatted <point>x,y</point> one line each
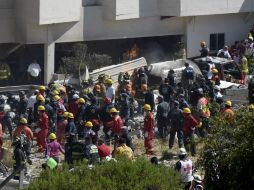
<point>49,61</point>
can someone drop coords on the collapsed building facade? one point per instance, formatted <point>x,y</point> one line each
<point>34,29</point>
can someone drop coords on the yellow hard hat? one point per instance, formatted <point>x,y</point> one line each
<point>214,71</point>
<point>55,92</point>
<point>41,108</point>
<point>113,110</point>
<point>186,110</point>
<point>81,100</point>
<point>89,124</point>
<point>199,124</point>
<point>56,97</point>
<point>42,88</point>
<point>109,81</point>
<point>147,107</point>
<point>251,106</point>
<point>23,121</point>
<point>71,116</point>
<point>66,114</point>
<point>40,98</point>
<point>52,136</point>
<point>228,103</point>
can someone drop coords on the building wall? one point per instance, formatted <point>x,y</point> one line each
<point>6,21</point>
<point>235,27</point>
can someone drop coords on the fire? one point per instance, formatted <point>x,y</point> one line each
<point>134,52</point>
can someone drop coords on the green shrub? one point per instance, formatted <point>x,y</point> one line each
<point>229,153</point>
<point>123,175</point>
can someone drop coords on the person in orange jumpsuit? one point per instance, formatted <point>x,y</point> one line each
<point>148,129</point>
<point>43,125</point>
<point>228,113</point>
<point>23,128</point>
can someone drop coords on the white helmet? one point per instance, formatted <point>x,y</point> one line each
<point>197,178</point>
<point>182,151</point>
<point>75,96</point>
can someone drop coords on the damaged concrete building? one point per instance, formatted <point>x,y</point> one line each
<point>34,28</point>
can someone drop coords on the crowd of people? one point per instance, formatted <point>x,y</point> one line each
<point>84,123</point>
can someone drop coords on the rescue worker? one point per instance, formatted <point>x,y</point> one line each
<point>97,92</point>
<point>30,106</point>
<point>188,76</point>
<point>74,150</point>
<point>43,125</point>
<point>24,129</point>
<point>182,102</point>
<point>185,167</point>
<point>161,117</point>
<point>244,68</point>
<point>8,122</point>
<point>217,93</point>
<point>91,151</point>
<point>51,114</point>
<point>204,113</point>
<point>88,130</point>
<point>166,90</point>
<point>142,77</point>
<point>148,129</point>
<point>125,134</point>
<point>189,126</point>
<point>171,78</point>
<point>123,150</point>
<point>74,105</point>
<point>116,123</point>
<point>18,156</point>
<point>149,99</point>
<point>54,148</point>
<point>61,125</point>
<point>80,116</point>
<point>92,114</point>
<point>124,107</point>
<point>40,102</point>
<point>175,118</point>
<point>204,52</point>
<point>5,73</point>
<point>103,150</point>
<point>228,113</point>
<point>70,130</point>
<point>196,183</point>
<point>22,105</point>
<point>215,78</point>
<point>105,117</point>
<point>110,90</point>
<point>42,91</point>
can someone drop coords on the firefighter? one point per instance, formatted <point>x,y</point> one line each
<point>215,78</point>
<point>74,105</point>
<point>24,129</point>
<point>92,114</point>
<point>148,129</point>
<point>43,125</point>
<point>161,117</point>
<point>185,167</point>
<point>88,131</point>
<point>106,117</point>
<point>166,90</point>
<point>228,113</point>
<point>54,148</point>
<point>18,156</point>
<point>124,107</point>
<point>40,101</point>
<point>204,113</point>
<point>116,122</point>
<point>91,151</point>
<point>70,130</point>
<point>97,92</point>
<point>110,90</point>
<point>42,91</point>
<point>80,117</point>
<point>175,118</point>
<point>5,73</point>
<point>189,126</point>
<point>61,125</point>
<point>22,105</point>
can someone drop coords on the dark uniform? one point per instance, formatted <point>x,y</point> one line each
<point>124,108</point>
<point>166,91</point>
<point>161,116</point>
<point>92,114</point>
<point>176,120</point>
<point>149,99</point>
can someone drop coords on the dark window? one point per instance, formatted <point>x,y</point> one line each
<point>217,41</point>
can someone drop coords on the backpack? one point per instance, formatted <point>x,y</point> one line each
<point>189,73</point>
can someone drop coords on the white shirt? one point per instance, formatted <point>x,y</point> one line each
<point>34,69</point>
<point>110,93</point>
<point>226,53</point>
<point>31,101</point>
<point>186,170</point>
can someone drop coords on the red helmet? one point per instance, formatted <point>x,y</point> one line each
<point>107,100</point>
